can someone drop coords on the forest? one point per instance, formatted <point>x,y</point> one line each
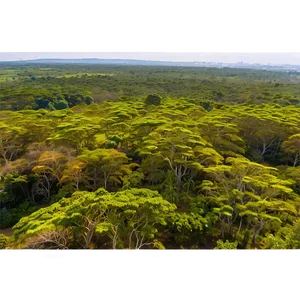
<point>136,157</point>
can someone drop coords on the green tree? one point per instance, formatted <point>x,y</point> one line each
<point>226,245</point>
<point>105,166</point>
<point>10,140</point>
<point>186,228</point>
<point>127,219</point>
<point>62,104</point>
<point>49,167</point>
<point>75,131</point>
<point>5,218</point>
<point>3,241</point>
<point>247,192</point>
<point>73,173</point>
<point>153,99</point>
<point>292,146</point>
<point>182,149</point>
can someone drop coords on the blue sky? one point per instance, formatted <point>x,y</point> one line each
<point>262,58</point>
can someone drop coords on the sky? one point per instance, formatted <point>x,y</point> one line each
<point>226,57</point>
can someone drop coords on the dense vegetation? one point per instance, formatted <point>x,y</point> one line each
<point>149,157</point>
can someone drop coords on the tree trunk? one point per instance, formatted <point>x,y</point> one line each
<point>114,237</point>
<point>178,175</point>
<point>105,180</point>
<point>178,183</point>
<point>129,241</point>
<point>78,149</point>
<point>95,179</point>
<point>115,242</point>
<point>256,232</point>
<point>223,231</point>
<point>277,148</point>
<point>48,188</point>
<point>240,226</point>
<point>295,160</point>
<point>32,196</point>
<point>264,149</point>
<point>286,219</point>
<point>253,239</point>
<point>230,228</point>
<point>23,190</point>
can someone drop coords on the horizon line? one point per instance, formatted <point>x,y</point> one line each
<point>166,61</point>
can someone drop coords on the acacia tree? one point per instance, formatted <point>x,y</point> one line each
<point>153,167</point>
<point>105,166</point>
<point>133,217</point>
<point>49,167</point>
<point>264,129</point>
<point>76,131</point>
<point>248,193</point>
<point>10,141</point>
<point>39,126</point>
<point>73,173</point>
<point>128,219</point>
<point>292,146</point>
<point>217,128</point>
<point>182,149</point>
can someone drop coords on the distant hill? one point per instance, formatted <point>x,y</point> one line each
<point>130,62</point>
<point>135,62</point>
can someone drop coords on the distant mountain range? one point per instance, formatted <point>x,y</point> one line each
<point>135,62</point>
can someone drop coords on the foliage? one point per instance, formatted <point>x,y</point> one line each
<point>128,219</point>
<point>153,99</point>
<point>5,218</point>
<point>226,245</point>
<point>3,241</point>
<point>108,151</point>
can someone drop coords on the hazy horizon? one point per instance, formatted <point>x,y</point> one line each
<point>228,57</point>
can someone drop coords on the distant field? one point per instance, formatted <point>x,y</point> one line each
<point>8,75</point>
<point>82,74</point>
<point>5,78</point>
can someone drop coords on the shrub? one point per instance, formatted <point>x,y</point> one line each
<point>226,245</point>
<point>153,99</point>
<point>3,241</point>
<point>5,218</point>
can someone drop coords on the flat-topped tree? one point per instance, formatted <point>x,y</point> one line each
<point>217,128</point>
<point>76,131</point>
<point>73,174</point>
<point>126,219</point>
<point>264,128</point>
<point>11,140</point>
<point>48,167</point>
<point>292,146</point>
<point>38,125</point>
<point>104,166</point>
<point>181,148</point>
<point>244,192</point>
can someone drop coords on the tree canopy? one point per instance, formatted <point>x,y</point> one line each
<point>127,158</point>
